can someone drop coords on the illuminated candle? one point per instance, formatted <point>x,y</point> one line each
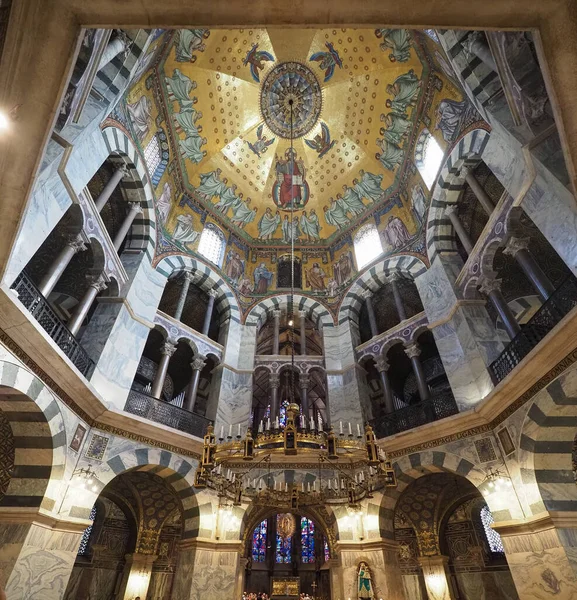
<point>230,430</point>
<point>350,429</point>
<point>358,430</point>
<point>239,430</point>
<point>222,432</point>
<point>341,427</point>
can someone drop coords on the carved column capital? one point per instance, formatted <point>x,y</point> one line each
<point>123,168</point>
<point>303,314</point>
<point>393,278</point>
<point>168,348</point>
<point>488,285</point>
<point>274,381</point>
<point>367,294</point>
<point>276,313</point>
<point>304,381</point>
<point>135,207</point>
<point>189,276</point>
<point>516,244</point>
<point>412,350</point>
<point>198,362</point>
<point>100,282</point>
<point>213,293</point>
<point>382,364</point>
<point>77,243</point>
<point>450,209</point>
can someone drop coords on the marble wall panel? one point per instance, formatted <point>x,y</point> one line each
<point>496,585</point>
<point>235,399</point>
<point>414,587</point>
<point>160,584</point>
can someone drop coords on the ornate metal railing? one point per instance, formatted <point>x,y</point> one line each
<point>557,306</point>
<point>146,406</point>
<point>441,405</point>
<point>41,310</point>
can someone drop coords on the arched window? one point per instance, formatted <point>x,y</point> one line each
<point>284,272</point>
<point>212,244</point>
<point>307,540</point>
<point>156,156</point>
<point>283,545</point>
<point>428,157</point>
<point>493,538</point>
<point>259,542</point>
<point>84,541</point>
<point>367,244</point>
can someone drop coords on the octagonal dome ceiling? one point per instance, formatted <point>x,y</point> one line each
<point>227,98</point>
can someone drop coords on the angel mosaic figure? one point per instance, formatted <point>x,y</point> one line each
<point>328,60</point>
<point>262,143</point>
<point>321,143</point>
<point>398,41</point>
<point>255,58</point>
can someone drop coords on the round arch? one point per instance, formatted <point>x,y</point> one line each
<point>207,279</point>
<point>316,311</point>
<point>466,152</point>
<point>374,278</point>
<point>37,424</point>
<point>137,188</point>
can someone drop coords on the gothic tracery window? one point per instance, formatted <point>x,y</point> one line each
<point>428,157</point>
<point>212,244</point>
<point>307,540</point>
<point>493,538</point>
<point>259,537</point>
<point>367,243</point>
<point>283,549</point>
<point>84,541</point>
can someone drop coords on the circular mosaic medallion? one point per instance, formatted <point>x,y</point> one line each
<point>290,81</point>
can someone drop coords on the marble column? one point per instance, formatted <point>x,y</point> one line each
<point>187,280</point>
<point>304,384</point>
<point>276,335</point>
<point>76,243</point>
<point>110,186</point>
<point>436,575</point>
<point>197,365</point>
<point>99,284</point>
<point>382,365</point>
<point>274,384</point>
<point>413,351</point>
<point>492,289</point>
<point>115,47</point>
<point>479,192</point>
<point>367,295</point>
<point>212,296</point>
<point>136,576</point>
<point>518,249</point>
<point>451,214</point>
<point>476,44</point>
<point>167,350</point>
<point>303,323</point>
<point>134,209</point>
<point>392,280</point>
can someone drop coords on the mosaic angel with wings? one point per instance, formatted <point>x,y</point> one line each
<point>328,60</point>
<point>255,58</point>
<point>321,143</point>
<point>262,143</point>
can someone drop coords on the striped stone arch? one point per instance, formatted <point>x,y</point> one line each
<point>39,439</point>
<point>317,312</point>
<point>547,447</point>
<point>466,152</point>
<point>411,467</point>
<point>375,278</point>
<point>136,186</point>
<point>177,472</point>
<point>208,279</point>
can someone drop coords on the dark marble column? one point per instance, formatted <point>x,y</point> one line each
<point>168,349</point>
<point>76,243</point>
<point>274,384</point>
<point>212,295</point>
<point>110,186</point>
<point>367,295</point>
<point>397,297</point>
<point>276,339</point>
<point>451,214</point>
<point>492,289</point>
<point>413,351</point>
<point>382,365</point>
<point>99,284</point>
<point>480,193</point>
<point>303,324</point>
<point>134,209</point>
<point>187,280</point>
<point>197,365</point>
<point>304,384</point>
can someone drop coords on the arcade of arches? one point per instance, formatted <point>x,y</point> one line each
<point>177,420</point>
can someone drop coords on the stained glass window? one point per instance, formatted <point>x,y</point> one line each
<point>259,542</point>
<point>212,244</point>
<point>282,414</point>
<point>367,245</point>
<point>83,548</point>
<point>283,546</point>
<point>493,538</point>
<point>428,157</point>
<point>307,540</point>
<point>327,551</point>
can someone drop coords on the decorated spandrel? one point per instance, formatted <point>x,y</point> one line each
<point>259,538</point>
<point>307,540</point>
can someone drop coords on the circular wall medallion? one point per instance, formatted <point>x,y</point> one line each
<point>291,81</point>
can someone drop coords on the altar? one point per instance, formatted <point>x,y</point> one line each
<point>285,588</point>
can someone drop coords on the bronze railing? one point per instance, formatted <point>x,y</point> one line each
<point>151,408</point>
<point>41,310</point>
<point>557,306</point>
<point>439,406</point>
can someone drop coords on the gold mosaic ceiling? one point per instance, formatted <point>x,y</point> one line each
<point>228,96</point>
